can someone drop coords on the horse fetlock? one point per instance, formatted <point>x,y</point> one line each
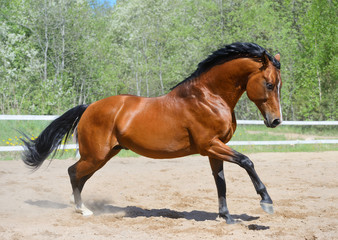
<point>265,196</point>
<point>261,190</point>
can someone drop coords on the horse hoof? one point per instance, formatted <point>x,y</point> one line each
<point>83,210</point>
<point>267,207</point>
<point>228,219</point>
<point>87,213</point>
<point>231,221</point>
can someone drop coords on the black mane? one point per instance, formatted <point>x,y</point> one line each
<point>231,52</point>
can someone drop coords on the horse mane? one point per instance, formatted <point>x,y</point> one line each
<point>231,52</point>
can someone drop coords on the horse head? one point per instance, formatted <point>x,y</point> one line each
<point>264,88</point>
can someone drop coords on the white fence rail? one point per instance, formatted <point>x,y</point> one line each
<point>28,117</point>
<point>299,123</point>
<point>241,122</point>
<point>231,143</point>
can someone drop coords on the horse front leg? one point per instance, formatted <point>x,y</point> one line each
<point>217,172</point>
<point>218,150</point>
<point>243,161</point>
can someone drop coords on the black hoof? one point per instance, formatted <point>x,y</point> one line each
<point>267,207</point>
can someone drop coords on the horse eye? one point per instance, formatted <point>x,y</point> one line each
<point>269,86</point>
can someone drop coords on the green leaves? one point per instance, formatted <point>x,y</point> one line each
<point>54,55</point>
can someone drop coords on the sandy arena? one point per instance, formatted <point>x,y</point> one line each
<point>142,198</point>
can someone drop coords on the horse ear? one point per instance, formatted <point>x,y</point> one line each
<point>277,56</point>
<point>265,61</point>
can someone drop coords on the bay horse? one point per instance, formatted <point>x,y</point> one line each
<point>195,117</point>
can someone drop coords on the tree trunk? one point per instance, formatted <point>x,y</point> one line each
<point>46,43</point>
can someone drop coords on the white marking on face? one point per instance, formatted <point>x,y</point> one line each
<point>280,108</point>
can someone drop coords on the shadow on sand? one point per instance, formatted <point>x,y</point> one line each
<point>132,212</point>
<point>47,204</point>
<point>101,207</point>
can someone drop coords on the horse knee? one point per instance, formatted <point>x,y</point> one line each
<point>245,162</point>
<point>242,160</point>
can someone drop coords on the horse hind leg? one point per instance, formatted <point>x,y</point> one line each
<point>217,172</point>
<point>77,182</point>
<point>76,199</point>
<point>79,173</point>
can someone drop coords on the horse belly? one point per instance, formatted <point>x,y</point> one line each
<point>156,138</point>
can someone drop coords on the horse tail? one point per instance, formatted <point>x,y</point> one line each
<point>37,150</point>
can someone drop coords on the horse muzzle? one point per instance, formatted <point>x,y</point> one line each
<point>272,123</point>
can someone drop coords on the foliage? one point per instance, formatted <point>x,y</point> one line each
<point>55,54</point>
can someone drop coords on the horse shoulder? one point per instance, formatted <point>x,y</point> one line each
<point>209,120</point>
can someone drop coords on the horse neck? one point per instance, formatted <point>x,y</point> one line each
<point>229,79</point>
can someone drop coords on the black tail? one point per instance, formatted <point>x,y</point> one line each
<point>37,150</point>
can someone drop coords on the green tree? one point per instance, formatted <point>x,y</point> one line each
<point>57,54</point>
<point>318,66</point>
<point>19,61</point>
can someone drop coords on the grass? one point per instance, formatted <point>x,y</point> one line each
<point>261,133</point>
<point>9,136</point>
<point>287,148</point>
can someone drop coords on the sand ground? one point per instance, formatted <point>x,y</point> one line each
<point>142,198</point>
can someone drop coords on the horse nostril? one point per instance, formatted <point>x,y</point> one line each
<point>276,122</point>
